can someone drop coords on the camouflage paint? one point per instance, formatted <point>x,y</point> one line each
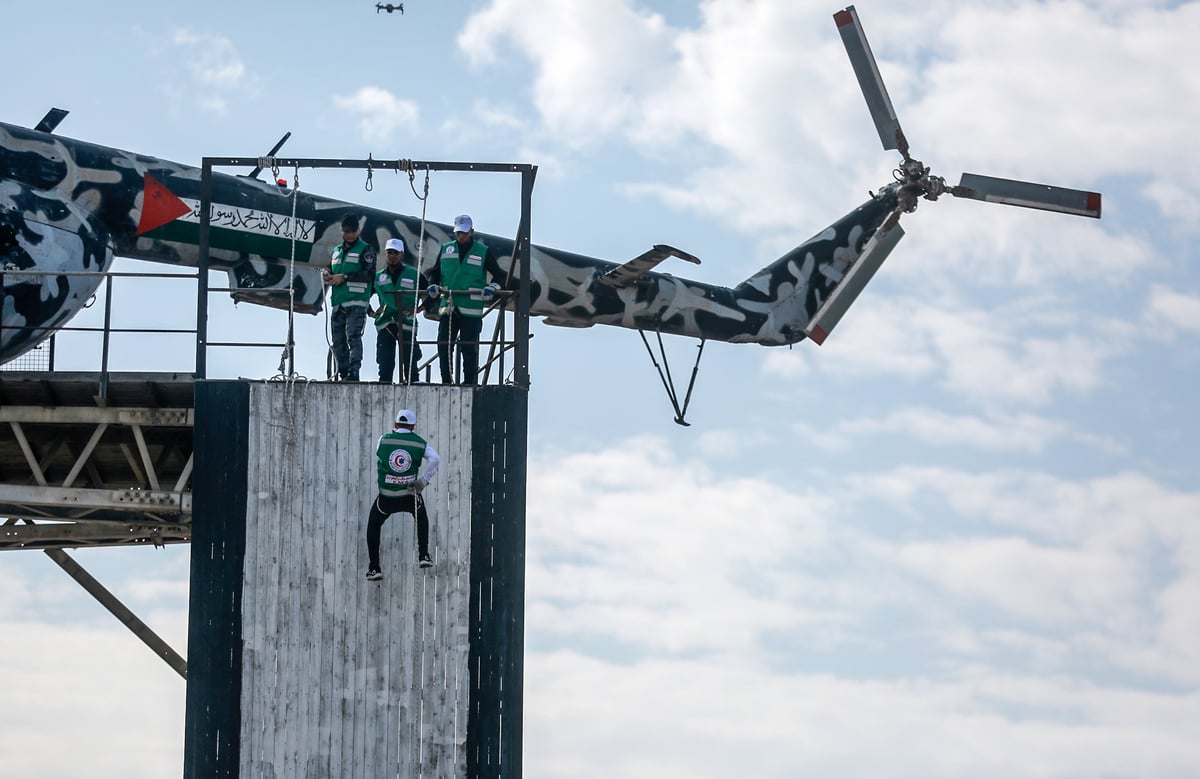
<point>68,205</point>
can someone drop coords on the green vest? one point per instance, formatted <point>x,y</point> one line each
<point>460,273</point>
<point>351,293</point>
<point>399,461</point>
<point>385,289</point>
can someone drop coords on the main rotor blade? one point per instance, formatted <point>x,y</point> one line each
<point>869,80</point>
<point>852,284</point>
<point>1028,195</point>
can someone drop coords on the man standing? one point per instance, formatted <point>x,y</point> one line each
<point>352,264</point>
<point>459,279</point>
<point>399,457</point>
<point>396,287</point>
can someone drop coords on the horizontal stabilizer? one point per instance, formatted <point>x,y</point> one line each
<point>643,263</point>
<point>267,285</point>
<point>848,289</point>
<point>274,298</point>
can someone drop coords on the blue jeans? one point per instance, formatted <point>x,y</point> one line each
<point>347,324</point>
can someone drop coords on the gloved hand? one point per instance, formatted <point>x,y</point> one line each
<point>490,291</point>
<point>433,290</point>
<point>419,485</point>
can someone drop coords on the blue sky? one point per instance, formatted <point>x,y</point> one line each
<point>960,538</point>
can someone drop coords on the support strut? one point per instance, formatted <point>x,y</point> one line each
<point>118,609</point>
<point>664,375</point>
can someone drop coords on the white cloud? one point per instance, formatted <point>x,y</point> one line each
<point>215,68</point>
<point>1028,433</point>
<point>676,719</point>
<point>212,59</point>
<point>592,58</point>
<point>1040,113</point>
<point>1029,353</point>
<point>648,554</point>
<point>380,114</point>
<point>665,556</point>
<point>1174,311</point>
<point>73,672</point>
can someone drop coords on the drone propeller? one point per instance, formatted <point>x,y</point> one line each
<point>914,177</point>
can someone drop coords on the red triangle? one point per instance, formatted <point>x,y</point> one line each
<point>159,206</point>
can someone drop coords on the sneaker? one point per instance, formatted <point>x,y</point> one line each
<point>374,575</point>
<point>425,561</point>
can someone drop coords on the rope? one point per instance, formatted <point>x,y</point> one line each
<point>287,360</point>
<point>410,368</point>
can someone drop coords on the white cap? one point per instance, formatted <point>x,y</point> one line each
<point>463,224</point>
<point>394,243</point>
<point>406,417</point>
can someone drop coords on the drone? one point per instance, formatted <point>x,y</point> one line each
<point>389,7</point>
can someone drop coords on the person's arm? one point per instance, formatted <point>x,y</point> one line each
<point>433,282</point>
<point>433,274</point>
<point>432,460</point>
<point>375,295</point>
<point>423,302</point>
<point>498,275</point>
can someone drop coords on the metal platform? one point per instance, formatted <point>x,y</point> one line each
<point>95,459</point>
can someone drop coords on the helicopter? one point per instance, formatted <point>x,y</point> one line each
<point>68,206</point>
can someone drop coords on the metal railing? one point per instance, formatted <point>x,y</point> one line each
<point>498,355</point>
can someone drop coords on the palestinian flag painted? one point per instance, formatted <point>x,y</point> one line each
<point>167,217</point>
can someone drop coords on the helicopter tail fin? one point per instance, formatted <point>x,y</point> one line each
<point>807,291</point>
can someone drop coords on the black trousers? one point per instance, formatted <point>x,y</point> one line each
<point>458,330</point>
<point>383,507</point>
<point>386,343</point>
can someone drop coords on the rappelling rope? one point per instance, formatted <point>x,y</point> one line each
<point>410,368</point>
<point>407,365</point>
<point>287,360</point>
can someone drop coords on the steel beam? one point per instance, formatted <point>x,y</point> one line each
<point>91,533</point>
<point>118,610</point>
<point>85,415</point>
<point>125,500</point>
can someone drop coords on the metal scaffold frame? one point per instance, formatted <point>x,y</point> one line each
<point>522,243</point>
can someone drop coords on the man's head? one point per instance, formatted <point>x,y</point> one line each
<point>464,229</point>
<point>349,228</point>
<point>406,419</point>
<point>394,248</point>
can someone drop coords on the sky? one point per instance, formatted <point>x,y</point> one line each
<point>961,538</point>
